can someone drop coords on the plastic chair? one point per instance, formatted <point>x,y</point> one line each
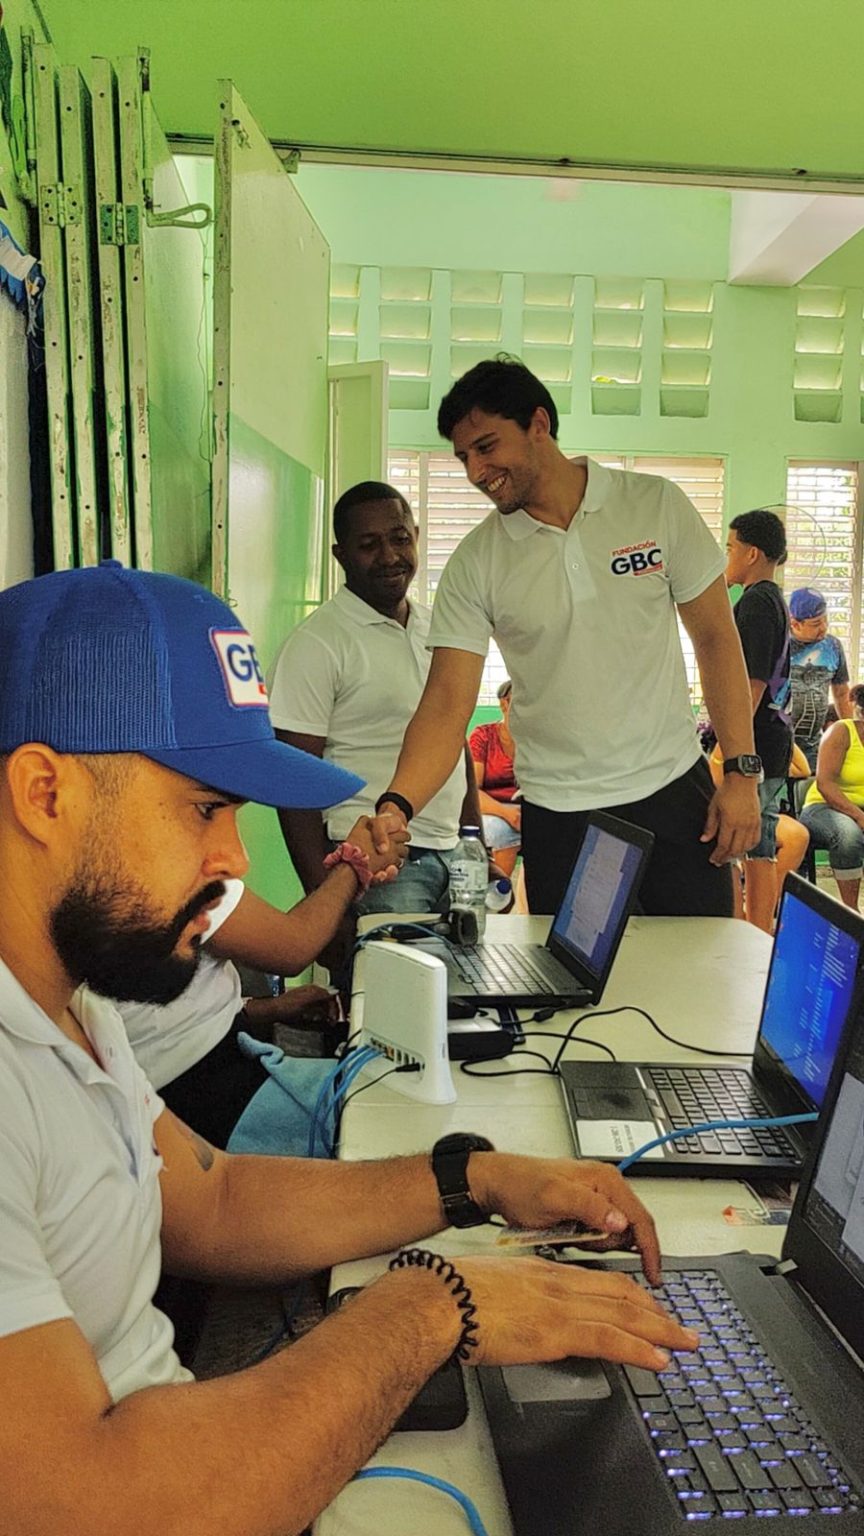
<point>796,792</point>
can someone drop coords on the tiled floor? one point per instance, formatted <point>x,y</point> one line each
<point>826,882</point>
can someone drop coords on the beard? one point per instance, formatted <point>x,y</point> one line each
<point>517,489</point>
<point>106,934</point>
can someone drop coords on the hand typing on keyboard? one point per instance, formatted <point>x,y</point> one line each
<point>540,1192</point>
<point>530,1310</point>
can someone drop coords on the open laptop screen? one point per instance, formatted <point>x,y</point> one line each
<point>813,970</point>
<point>588,921</point>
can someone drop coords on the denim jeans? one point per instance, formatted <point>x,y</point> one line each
<point>769,805</point>
<point>421,885</point>
<point>841,836</point>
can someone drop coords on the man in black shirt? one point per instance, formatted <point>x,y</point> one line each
<point>755,546</point>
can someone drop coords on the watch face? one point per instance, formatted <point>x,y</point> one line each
<point>750,764</point>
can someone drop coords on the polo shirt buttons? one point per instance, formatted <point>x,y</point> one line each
<point>574,565</point>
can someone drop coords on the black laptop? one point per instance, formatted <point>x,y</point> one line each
<point>573,965</point>
<point>764,1420</point>
<point>614,1108</point>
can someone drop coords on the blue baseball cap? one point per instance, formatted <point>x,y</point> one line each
<point>106,659</point>
<point>807,603</point>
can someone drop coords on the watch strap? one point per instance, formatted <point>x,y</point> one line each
<point>390,797</point>
<point>450,1166</point>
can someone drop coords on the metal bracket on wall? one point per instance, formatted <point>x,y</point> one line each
<point>178,218</point>
<point>61,204</point>
<point>119,224</point>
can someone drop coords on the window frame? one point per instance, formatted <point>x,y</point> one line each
<point>852,642</point>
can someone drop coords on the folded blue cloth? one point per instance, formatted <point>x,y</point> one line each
<point>276,1121</point>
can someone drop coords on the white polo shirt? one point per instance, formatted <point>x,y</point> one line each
<point>351,675</point>
<point>171,1039</point>
<point>586,623</point>
<point>80,1204</point>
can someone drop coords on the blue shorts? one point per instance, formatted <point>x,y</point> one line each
<point>498,833</point>
<point>769,804</point>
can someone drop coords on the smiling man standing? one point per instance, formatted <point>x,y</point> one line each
<point>578,576</point>
<point>344,687</point>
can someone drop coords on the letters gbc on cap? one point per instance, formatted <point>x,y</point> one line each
<point>111,660</point>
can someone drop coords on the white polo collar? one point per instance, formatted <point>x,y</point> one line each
<point>363,613</point>
<point>520,524</point>
<point>21,1017</point>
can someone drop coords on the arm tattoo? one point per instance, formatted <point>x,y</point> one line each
<point>202,1149</point>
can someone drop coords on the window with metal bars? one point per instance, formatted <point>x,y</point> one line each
<point>447,507</point>
<point>824,537</point>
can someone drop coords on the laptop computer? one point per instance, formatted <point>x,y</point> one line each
<point>614,1108</point>
<point>572,967</point>
<point>765,1418</point>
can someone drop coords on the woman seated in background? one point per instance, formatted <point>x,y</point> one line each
<point>492,749</point>
<point>833,810</point>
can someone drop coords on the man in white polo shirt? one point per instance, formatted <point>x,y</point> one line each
<point>578,575</point>
<point>133,723</point>
<point>344,687</point>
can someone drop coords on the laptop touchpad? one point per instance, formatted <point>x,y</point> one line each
<point>562,1381</point>
<point>612,1104</point>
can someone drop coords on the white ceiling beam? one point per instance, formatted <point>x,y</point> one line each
<point>776,238</point>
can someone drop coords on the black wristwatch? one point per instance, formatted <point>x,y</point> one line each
<point>747,764</point>
<point>449,1164</point>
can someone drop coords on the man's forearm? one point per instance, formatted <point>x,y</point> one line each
<point>436,735</point>
<point>318,918</point>
<point>727,691</point>
<point>429,754</point>
<point>282,1218</point>
<point>330,1400</point>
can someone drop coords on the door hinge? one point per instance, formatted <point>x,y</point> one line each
<point>119,224</point>
<point>60,204</point>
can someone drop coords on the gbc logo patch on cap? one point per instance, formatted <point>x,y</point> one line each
<point>244,682</point>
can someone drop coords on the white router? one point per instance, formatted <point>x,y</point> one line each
<point>405,1017</point>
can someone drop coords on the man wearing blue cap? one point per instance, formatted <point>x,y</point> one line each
<point>133,721</point>
<point>817,663</point>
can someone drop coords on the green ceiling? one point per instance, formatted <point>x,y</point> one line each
<point>756,85</point>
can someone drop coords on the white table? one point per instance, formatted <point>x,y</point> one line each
<point>702,980</point>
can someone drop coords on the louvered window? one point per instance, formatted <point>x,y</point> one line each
<point>824,536</point>
<point>448,506</point>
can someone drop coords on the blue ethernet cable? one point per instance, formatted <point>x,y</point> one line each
<point>712,1125</point>
<point>471,1512</point>
<point>349,1067</point>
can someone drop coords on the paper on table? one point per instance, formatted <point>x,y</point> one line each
<point>616,1138</point>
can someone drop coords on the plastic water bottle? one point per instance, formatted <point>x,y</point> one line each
<point>499,894</point>
<point>469,877</point>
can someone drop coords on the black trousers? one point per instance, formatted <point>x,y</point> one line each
<point>679,880</point>
<point>210,1098</point>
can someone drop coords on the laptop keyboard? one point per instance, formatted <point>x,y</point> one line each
<point>692,1094</point>
<point>730,1436</point>
<point>501,968</point>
